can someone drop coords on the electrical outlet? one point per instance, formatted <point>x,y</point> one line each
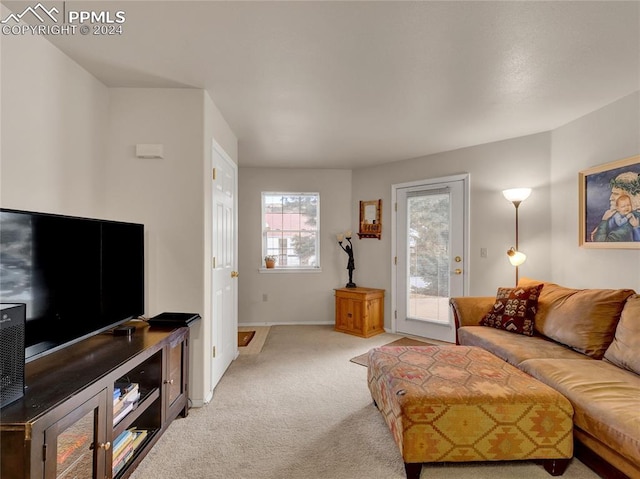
<point>484,253</point>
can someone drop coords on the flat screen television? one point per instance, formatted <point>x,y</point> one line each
<point>77,276</point>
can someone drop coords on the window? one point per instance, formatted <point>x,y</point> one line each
<point>291,229</point>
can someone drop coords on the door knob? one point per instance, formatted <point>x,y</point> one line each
<point>458,259</point>
<point>458,271</point>
<point>235,274</point>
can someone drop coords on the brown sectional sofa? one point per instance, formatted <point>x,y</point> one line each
<point>586,345</point>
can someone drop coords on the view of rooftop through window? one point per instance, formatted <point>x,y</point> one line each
<point>290,229</point>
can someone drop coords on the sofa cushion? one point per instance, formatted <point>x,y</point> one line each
<point>514,309</point>
<point>583,319</point>
<point>605,399</point>
<point>625,348</point>
<point>514,348</point>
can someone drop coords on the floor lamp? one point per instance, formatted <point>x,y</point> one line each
<point>516,196</point>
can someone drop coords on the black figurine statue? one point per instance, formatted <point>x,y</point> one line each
<point>351,264</point>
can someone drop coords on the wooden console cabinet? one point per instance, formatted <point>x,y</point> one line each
<point>360,311</point>
<point>64,424</point>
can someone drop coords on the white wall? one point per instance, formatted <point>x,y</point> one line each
<point>54,117</point>
<point>172,197</point>
<point>606,135</point>
<point>294,297</point>
<point>164,194</point>
<point>492,167</point>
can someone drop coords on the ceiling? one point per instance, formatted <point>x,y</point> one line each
<point>352,84</point>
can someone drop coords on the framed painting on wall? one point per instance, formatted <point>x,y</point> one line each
<point>610,205</point>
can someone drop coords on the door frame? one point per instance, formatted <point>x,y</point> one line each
<point>465,178</point>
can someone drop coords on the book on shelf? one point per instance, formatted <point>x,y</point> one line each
<point>139,435</point>
<point>132,396</point>
<point>128,407</point>
<point>130,391</point>
<point>125,386</point>
<point>122,459</point>
<point>128,443</point>
<point>125,390</point>
<point>125,437</point>
<point>126,402</point>
<point>117,406</point>
<point>122,453</point>
<point>131,437</point>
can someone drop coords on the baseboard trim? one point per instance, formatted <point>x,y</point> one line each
<point>286,323</point>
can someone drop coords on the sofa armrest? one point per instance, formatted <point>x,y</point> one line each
<point>469,310</point>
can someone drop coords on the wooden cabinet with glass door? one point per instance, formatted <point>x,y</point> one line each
<point>67,423</point>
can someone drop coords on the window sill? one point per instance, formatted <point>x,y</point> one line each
<point>289,270</point>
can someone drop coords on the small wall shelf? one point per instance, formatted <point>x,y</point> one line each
<point>370,219</point>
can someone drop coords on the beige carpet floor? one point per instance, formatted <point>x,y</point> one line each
<point>301,410</point>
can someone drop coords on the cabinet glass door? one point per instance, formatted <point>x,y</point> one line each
<point>175,372</point>
<point>75,445</point>
<point>177,366</point>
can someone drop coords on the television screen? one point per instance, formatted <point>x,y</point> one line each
<point>77,276</point>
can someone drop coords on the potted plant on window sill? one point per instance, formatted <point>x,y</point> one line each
<point>270,261</point>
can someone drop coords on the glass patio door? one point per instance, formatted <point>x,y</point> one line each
<point>430,257</point>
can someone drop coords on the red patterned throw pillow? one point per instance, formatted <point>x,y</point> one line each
<point>514,309</point>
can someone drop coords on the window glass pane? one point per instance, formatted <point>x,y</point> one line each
<point>304,246</point>
<point>428,222</point>
<point>290,216</point>
<point>291,204</point>
<point>309,213</point>
<point>273,243</point>
<point>273,204</point>
<point>291,224</point>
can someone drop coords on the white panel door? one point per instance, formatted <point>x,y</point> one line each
<point>224,283</point>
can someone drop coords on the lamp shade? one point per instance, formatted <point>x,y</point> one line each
<point>517,194</point>
<point>516,258</point>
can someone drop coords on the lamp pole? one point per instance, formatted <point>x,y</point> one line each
<point>517,204</point>
<point>516,196</point>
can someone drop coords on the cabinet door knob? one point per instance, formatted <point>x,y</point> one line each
<point>105,445</point>
<point>235,274</point>
<point>168,381</point>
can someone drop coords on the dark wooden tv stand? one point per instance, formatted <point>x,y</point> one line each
<point>65,421</point>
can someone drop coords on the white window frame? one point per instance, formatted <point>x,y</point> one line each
<point>289,268</point>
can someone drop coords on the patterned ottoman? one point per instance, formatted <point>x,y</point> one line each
<point>462,403</point>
